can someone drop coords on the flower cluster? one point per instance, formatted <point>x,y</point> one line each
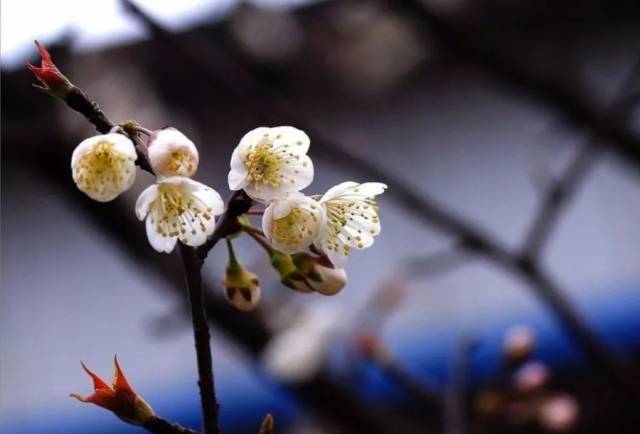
<point>308,237</point>
<point>272,166</point>
<point>175,208</point>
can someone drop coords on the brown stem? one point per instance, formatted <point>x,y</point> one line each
<point>208,400</point>
<point>157,425</point>
<point>80,102</point>
<point>239,203</point>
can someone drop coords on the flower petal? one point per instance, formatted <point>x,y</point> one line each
<point>293,223</point>
<point>145,200</point>
<point>162,244</point>
<point>237,178</point>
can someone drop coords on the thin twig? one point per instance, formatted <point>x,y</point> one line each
<point>561,192</point>
<point>80,102</point>
<point>377,353</point>
<point>437,263</point>
<point>208,400</point>
<point>556,199</point>
<point>157,425</point>
<point>575,107</point>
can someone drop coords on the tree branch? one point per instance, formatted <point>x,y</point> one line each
<point>556,199</point>
<point>157,425</point>
<point>208,400</point>
<point>561,191</point>
<point>470,45</point>
<point>192,261</point>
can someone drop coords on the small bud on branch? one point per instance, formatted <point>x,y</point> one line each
<point>118,398</point>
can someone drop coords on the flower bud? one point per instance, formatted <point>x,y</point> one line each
<point>530,377</point>
<point>242,289</point>
<point>51,79</point>
<point>559,414</point>
<point>519,343</point>
<point>103,166</point>
<point>320,274</point>
<point>118,398</point>
<point>171,153</point>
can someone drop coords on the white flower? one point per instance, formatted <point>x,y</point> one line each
<point>268,163</point>
<point>178,208</point>
<point>171,153</point>
<point>299,351</point>
<point>292,223</point>
<point>104,166</point>
<point>351,219</point>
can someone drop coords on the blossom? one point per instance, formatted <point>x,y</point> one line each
<point>530,377</point>
<point>298,352</point>
<point>268,163</point>
<point>351,219</point>
<point>559,414</point>
<point>292,223</point>
<point>171,153</point>
<point>178,208</point>
<point>519,343</point>
<point>320,274</point>
<point>104,166</point>
<point>119,397</point>
<point>48,74</point>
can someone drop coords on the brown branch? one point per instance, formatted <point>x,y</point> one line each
<point>238,204</point>
<point>208,400</point>
<point>423,391</point>
<point>157,425</point>
<point>437,263</point>
<point>561,191</point>
<point>77,100</point>
<point>192,261</point>
<point>470,45</point>
<point>557,198</point>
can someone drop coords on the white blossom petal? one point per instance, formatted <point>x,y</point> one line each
<point>269,163</point>
<point>160,243</point>
<point>146,198</point>
<point>171,153</point>
<point>291,224</point>
<point>103,166</point>
<point>181,209</point>
<point>351,219</point>
<point>238,174</point>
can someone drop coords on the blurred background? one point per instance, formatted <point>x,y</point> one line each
<point>503,294</point>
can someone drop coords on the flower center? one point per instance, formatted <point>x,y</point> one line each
<point>103,168</point>
<point>342,212</point>
<point>296,225</point>
<point>263,164</point>
<point>177,212</point>
<point>181,161</point>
